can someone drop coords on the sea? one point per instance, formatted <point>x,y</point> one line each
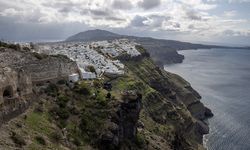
<point>222,77</point>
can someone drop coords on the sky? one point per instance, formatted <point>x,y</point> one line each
<point>199,21</point>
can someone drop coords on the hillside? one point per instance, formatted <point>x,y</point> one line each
<point>146,108</point>
<point>161,51</point>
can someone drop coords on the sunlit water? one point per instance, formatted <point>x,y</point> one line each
<point>222,77</point>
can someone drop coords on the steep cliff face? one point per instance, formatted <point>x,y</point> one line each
<point>147,108</point>
<point>15,93</point>
<point>173,101</point>
<point>19,70</point>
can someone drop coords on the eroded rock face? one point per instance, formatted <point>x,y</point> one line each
<point>129,116</point>
<point>15,90</point>
<point>20,70</point>
<point>41,67</point>
<point>125,123</point>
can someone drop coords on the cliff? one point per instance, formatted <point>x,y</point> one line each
<point>147,108</point>
<point>20,70</point>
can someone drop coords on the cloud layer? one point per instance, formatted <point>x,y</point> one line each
<point>179,18</point>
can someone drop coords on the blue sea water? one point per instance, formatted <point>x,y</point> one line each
<point>222,77</point>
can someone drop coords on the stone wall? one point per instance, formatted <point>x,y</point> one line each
<point>50,68</point>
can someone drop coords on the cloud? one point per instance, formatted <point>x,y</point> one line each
<point>192,15</point>
<point>230,14</point>
<point>236,33</point>
<point>138,21</point>
<point>149,4</point>
<point>189,18</point>
<point>122,4</point>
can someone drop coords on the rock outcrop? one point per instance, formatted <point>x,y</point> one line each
<point>123,126</point>
<point>15,93</point>
<point>41,67</point>
<point>20,70</point>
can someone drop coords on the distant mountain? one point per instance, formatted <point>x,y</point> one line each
<point>162,51</point>
<point>94,35</point>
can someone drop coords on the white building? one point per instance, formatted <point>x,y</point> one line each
<point>73,77</point>
<point>87,75</point>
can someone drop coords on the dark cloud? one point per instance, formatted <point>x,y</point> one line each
<point>192,15</point>
<point>157,20</point>
<point>10,30</point>
<point>149,4</point>
<point>63,7</point>
<point>106,14</point>
<point>232,33</point>
<point>152,21</point>
<point>137,21</point>
<point>176,25</point>
<point>122,4</point>
<point>191,26</point>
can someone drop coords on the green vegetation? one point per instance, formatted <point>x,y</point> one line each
<point>39,123</point>
<point>61,82</point>
<point>11,46</point>
<point>52,90</point>
<point>40,56</point>
<point>56,136</point>
<point>91,69</point>
<point>40,140</point>
<point>140,140</point>
<point>82,88</point>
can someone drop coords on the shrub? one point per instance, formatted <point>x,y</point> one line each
<point>91,69</point>
<point>62,100</point>
<point>77,141</point>
<point>97,84</point>
<point>140,140</point>
<point>39,109</point>
<point>63,113</point>
<point>40,140</point>
<point>52,89</point>
<point>108,96</point>
<point>101,99</point>
<point>62,124</point>
<point>56,136</point>
<point>39,56</point>
<point>83,89</point>
<point>26,49</point>
<point>61,82</point>
<point>17,139</point>
<point>14,46</point>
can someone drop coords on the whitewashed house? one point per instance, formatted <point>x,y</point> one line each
<point>73,78</point>
<point>87,75</point>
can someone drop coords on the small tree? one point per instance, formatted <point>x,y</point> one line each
<point>108,95</point>
<point>91,69</point>
<point>83,89</point>
<point>97,84</point>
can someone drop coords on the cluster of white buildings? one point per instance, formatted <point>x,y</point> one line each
<point>101,55</point>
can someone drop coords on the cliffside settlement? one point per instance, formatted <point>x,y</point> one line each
<point>127,102</point>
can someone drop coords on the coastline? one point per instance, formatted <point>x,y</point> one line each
<point>205,119</point>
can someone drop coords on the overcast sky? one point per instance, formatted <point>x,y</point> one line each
<point>219,21</point>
